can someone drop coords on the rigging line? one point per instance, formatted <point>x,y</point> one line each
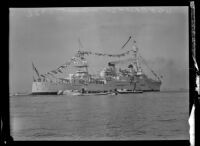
<point>103,54</point>
<point>158,76</point>
<point>126,42</point>
<point>71,61</point>
<point>35,69</point>
<point>144,61</point>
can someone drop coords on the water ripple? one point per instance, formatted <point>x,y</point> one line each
<point>148,115</point>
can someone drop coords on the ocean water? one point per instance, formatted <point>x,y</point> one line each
<point>146,116</point>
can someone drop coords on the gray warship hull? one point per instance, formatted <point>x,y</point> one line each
<point>145,85</point>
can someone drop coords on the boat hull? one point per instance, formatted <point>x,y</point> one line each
<point>44,93</point>
<point>144,85</point>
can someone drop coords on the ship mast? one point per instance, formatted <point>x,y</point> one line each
<point>137,63</point>
<point>80,45</point>
<point>80,56</point>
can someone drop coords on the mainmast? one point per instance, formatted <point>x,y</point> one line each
<point>136,61</point>
<point>82,63</point>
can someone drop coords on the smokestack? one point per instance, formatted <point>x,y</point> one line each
<point>111,64</point>
<point>130,66</point>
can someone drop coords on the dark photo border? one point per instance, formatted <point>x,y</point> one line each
<point>5,135</point>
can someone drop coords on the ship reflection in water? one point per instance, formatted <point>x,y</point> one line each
<point>150,115</point>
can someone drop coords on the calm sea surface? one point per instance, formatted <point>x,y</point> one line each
<point>151,115</point>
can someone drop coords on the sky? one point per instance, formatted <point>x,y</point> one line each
<point>48,37</point>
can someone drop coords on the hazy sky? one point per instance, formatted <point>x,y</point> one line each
<point>49,37</point>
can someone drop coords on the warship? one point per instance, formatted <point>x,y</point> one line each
<point>110,78</point>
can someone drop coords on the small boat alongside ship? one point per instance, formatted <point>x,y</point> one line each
<point>83,93</point>
<point>94,94</point>
<point>116,92</point>
<point>112,78</point>
<point>124,91</point>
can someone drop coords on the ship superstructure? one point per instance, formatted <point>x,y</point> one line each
<point>110,78</point>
